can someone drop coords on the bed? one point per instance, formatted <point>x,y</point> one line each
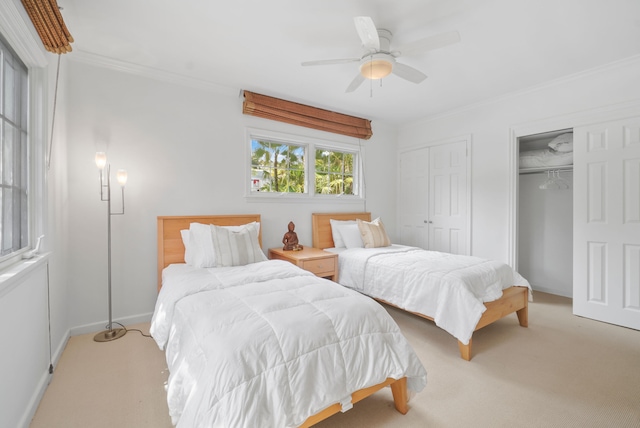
<point>389,275</point>
<point>268,343</point>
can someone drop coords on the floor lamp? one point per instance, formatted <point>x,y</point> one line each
<point>105,195</point>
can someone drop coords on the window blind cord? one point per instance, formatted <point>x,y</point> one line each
<point>49,319</point>
<point>53,118</point>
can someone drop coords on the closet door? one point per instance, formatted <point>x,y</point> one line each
<point>606,266</point>
<point>413,203</point>
<point>448,198</point>
<point>433,198</point>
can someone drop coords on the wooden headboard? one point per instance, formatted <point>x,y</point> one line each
<point>321,226</point>
<point>170,246</point>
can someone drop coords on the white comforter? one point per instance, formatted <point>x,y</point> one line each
<point>449,288</point>
<point>269,345</point>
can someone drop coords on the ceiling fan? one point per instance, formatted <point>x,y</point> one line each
<point>378,60</point>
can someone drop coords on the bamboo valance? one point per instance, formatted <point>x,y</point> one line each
<point>307,116</point>
<point>46,17</point>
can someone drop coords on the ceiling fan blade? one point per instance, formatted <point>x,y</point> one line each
<point>367,32</point>
<point>331,61</point>
<point>357,81</point>
<point>429,43</point>
<point>408,73</point>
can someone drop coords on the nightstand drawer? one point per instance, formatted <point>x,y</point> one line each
<point>320,267</point>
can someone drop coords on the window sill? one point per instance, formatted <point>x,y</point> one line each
<point>13,275</point>
<point>302,198</point>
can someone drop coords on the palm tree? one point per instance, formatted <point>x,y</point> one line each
<point>281,165</point>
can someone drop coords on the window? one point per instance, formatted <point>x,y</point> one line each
<point>14,153</point>
<point>334,172</point>
<point>302,167</point>
<point>277,167</point>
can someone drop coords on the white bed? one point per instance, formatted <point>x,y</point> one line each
<point>269,344</point>
<point>459,293</point>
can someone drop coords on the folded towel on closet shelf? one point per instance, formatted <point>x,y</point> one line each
<point>562,143</point>
<point>545,158</point>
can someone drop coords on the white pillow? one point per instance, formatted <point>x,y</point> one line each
<point>351,236</point>
<point>201,249</point>
<point>188,252</point>
<point>562,143</point>
<point>373,234</point>
<point>236,247</point>
<point>338,242</point>
<point>201,246</point>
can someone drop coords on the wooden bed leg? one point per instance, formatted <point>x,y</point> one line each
<point>465,350</point>
<point>523,316</point>
<point>400,397</point>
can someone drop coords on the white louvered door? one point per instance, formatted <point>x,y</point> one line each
<point>606,266</point>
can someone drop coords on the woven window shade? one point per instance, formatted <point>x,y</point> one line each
<point>49,24</point>
<point>307,116</point>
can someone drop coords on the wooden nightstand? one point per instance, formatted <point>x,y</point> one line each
<point>321,263</point>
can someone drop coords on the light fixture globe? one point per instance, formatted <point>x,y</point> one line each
<point>377,66</point>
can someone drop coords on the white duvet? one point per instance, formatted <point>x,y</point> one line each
<point>269,345</point>
<point>449,288</point>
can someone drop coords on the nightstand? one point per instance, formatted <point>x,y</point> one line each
<point>319,262</point>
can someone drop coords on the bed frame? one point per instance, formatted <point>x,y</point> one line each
<point>171,250</point>
<point>514,299</point>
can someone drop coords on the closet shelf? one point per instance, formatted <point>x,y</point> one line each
<point>545,169</point>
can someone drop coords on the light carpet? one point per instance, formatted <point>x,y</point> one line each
<point>561,371</point>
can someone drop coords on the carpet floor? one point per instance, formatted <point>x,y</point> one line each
<point>561,371</point>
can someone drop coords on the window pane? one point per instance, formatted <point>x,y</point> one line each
<point>7,155</point>
<point>14,153</point>
<point>334,172</point>
<point>277,167</point>
<point>9,90</point>
<point>7,218</point>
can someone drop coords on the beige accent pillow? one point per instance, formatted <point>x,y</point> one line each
<point>236,247</point>
<point>373,234</point>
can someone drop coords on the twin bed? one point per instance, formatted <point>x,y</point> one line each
<point>266,343</point>
<point>460,293</point>
<point>256,342</point>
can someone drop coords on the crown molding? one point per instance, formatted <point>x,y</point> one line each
<point>149,72</point>
<point>18,30</point>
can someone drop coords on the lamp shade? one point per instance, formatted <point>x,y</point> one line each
<point>101,160</point>
<point>377,66</point>
<point>122,177</point>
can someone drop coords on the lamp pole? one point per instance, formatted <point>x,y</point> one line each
<point>105,170</point>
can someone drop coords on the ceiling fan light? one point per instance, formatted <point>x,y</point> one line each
<point>376,69</point>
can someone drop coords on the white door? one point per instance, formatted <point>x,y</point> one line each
<point>606,265</point>
<point>413,202</point>
<point>433,199</point>
<point>448,198</point>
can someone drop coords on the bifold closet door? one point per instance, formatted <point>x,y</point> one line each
<point>448,198</point>
<point>606,236</point>
<point>413,200</point>
<point>433,197</point>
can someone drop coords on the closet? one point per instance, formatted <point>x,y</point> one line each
<point>545,211</point>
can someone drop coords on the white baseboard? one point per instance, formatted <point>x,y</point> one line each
<point>550,291</point>
<point>99,326</point>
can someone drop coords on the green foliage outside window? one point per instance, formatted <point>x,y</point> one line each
<point>334,172</point>
<point>277,167</point>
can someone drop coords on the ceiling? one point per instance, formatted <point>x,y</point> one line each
<point>258,45</point>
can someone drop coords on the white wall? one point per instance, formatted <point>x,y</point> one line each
<point>558,104</point>
<point>185,152</point>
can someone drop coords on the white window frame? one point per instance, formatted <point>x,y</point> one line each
<point>14,26</point>
<point>310,144</point>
